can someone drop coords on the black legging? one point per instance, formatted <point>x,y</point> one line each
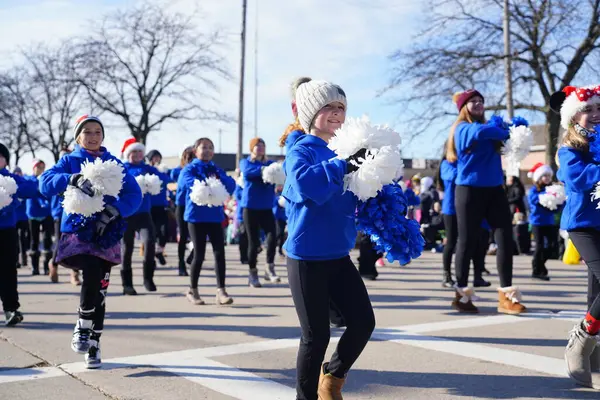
<point>367,257</point>
<point>160,220</point>
<point>57,235</point>
<point>480,253</point>
<point>47,226</point>
<point>254,221</point>
<point>451,230</point>
<point>184,234</point>
<point>280,228</point>
<point>141,222</point>
<point>24,239</point>
<point>243,243</point>
<point>587,243</point>
<point>198,232</point>
<point>96,278</point>
<point>473,204</point>
<point>541,236</point>
<point>8,269</point>
<point>313,285</point>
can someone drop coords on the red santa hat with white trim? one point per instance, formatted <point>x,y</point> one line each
<point>539,170</point>
<point>130,145</point>
<point>572,100</point>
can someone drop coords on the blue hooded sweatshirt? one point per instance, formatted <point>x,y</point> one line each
<point>143,169</point>
<point>580,174</point>
<point>448,174</point>
<point>56,180</point>
<point>237,194</point>
<point>38,207</point>
<point>538,214</point>
<point>56,206</point>
<point>479,164</point>
<point>278,211</point>
<point>26,188</point>
<point>321,223</point>
<point>21,209</point>
<point>175,173</point>
<point>161,199</point>
<point>193,212</point>
<point>257,194</point>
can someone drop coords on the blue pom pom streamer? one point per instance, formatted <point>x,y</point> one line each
<point>383,219</point>
<point>519,121</point>
<point>85,230</point>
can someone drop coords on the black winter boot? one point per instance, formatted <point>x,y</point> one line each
<point>127,278</point>
<point>35,262</point>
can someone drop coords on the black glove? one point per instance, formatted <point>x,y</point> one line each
<point>82,184</point>
<point>351,167</point>
<point>108,215</point>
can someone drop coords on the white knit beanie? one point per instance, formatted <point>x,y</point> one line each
<point>312,96</point>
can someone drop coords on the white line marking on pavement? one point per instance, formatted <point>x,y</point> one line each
<point>26,374</point>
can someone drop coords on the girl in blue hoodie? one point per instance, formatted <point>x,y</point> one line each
<point>205,221</point>
<point>40,223</point>
<point>79,251</point>
<point>545,232</point>
<point>257,201</point>
<point>9,242</point>
<point>321,233</point>
<point>186,157</point>
<point>479,194</point>
<point>159,204</point>
<point>22,225</point>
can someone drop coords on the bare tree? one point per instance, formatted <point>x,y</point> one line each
<point>147,66</point>
<point>462,47</point>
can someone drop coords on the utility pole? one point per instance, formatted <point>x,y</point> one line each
<point>507,62</point>
<point>238,156</point>
<point>256,72</point>
<point>220,137</point>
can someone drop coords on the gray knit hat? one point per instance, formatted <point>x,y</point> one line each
<point>312,96</point>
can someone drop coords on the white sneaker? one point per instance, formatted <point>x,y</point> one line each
<point>93,359</point>
<point>270,274</point>
<point>81,336</point>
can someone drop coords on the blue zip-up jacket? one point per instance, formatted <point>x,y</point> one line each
<point>143,169</point>
<point>161,199</point>
<point>448,174</point>
<point>479,163</point>
<point>38,207</point>
<point>193,212</point>
<point>26,188</point>
<point>56,180</point>
<point>56,206</point>
<point>278,211</point>
<point>21,209</point>
<point>321,223</point>
<point>237,194</point>
<point>538,214</point>
<point>580,174</point>
<point>257,195</point>
<point>175,173</point>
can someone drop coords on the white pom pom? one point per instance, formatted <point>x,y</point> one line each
<point>548,200</point>
<point>8,184</point>
<point>209,192</point>
<point>153,184</point>
<point>200,193</point>
<point>218,192</point>
<point>5,198</point>
<point>240,181</point>
<point>274,173</point>
<point>162,168</point>
<point>378,169</point>
<point>518,145</point>
<point>105,176</point>
<point>596,194</point>
<point>558,191</point>
<point>141,181</point>
<point>77,202</point>
<point>358,133</point>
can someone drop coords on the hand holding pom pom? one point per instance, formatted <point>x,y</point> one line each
<point>274,174</point>
<point>5,198</point>
<point>554,197</point>
<point>209,192</point>
<point>105,176</point>
<point>153,184</point>
<point>8,184</point>
<point>77,202</point>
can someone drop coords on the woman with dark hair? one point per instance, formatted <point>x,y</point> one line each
<point>515,193</point>
<point>186,157</point>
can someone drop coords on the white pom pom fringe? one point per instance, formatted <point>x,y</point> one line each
<point>153,184</point>
<point>209,192</point>
<point>5,198</point>
<point>518,145</point>
<point>77,202</point>
<point>105,176</point>
<point>8,184</point>
<point>162,168</point>
<point>274,174</point>
<point>358,133</point>
<point>240,181</point>
<point>555,196</point>
<point>378,169</point>
<point>596,194</point>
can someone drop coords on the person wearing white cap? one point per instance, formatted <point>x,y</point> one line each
<point>321,233</point>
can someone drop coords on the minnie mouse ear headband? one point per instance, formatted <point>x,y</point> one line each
<point>572,100</point>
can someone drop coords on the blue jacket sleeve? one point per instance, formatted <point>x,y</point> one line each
<point>164,177</point>
<point>26,188</point>
<point>316,182</point>
<point>130,197</point>
<point>56,179</point>
<point>448,171</point>
<point>174,175</point>
<point>184,185</point>
<point>251,171</point>
<point>227,181</point>
<point>574,171</point>
<point>533,197</point>
<point>467,133</point>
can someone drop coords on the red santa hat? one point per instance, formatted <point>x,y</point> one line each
<point>539,170</point>
<point>130,145</point>
<point>36,162</point>
<point>572,100</point>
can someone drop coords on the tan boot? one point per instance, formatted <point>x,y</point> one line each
<point>577,355</point>
<point>142,250</point>
<point>330,387</point>
<point>222,298</point>
<point>509,301</point>
<point>463,300</point>
<point>75,278</point>
<point>53,273</point>
<point>194,297</point>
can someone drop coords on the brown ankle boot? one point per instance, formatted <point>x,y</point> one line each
<point>463,300</point>
<point>509,301</point>
<point>330,387</point>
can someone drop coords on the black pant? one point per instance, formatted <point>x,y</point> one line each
<point>143,223</point>
<point>254,221</point>
<point>9,245</point>
<point>280,228</point>
<point>57,235</point>
<point>593,288</point>
<point>313,285</point>
<point>367,257</point>
<point>480,252</point>
<point>243,243</point>
<point>47,226</point>
<point>587,243</point>
<point>451,229</point>
<point>199,231</point>
<point>184,234</point>
<point>96,278</point>
<point>473,204</point>
<point>160,220</point>
<point>24,239</point>
<point>545,238</point>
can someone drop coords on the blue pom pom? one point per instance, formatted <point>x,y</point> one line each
<point>113,234</point>
<point>498,122</point>
<point>594,142</point>
<point>518,121</point>
<point>383,218</point>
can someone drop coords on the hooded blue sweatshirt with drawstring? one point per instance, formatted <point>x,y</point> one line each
<point>143,169</point>
<point>37,207</point>
<point>321,216</point>
<point>26,188</point>
<point>257,194</point>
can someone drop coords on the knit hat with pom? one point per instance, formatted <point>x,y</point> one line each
<point>254,142</point>
<point>461,98</point>
<point>312,96</point>
<point>82,120</point>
